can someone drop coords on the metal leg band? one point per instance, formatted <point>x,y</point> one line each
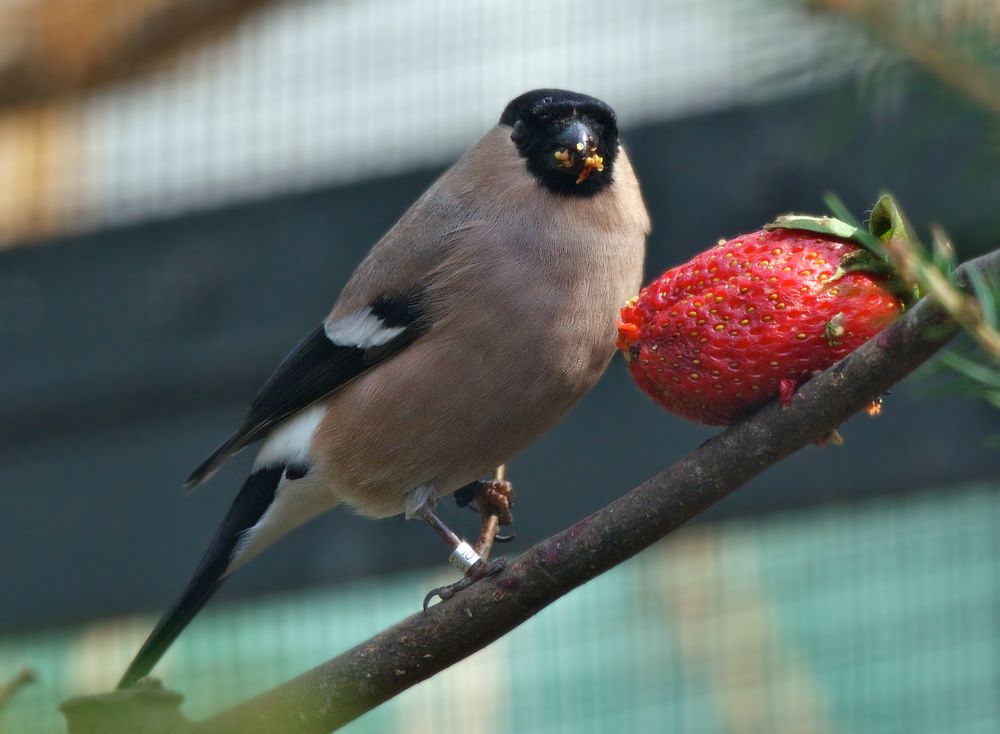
<point>464,557</point>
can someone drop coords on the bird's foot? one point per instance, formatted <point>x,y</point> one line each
<point>485,495</point>
<point>493,499</point>
<point>496,496</point>
<point>480,570</point>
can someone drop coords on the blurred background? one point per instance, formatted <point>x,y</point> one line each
<point>185,185</point>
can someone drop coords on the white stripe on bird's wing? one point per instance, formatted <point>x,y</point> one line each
<point>362,329</point>
<point>289,442</point>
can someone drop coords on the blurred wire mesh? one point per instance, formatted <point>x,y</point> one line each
<point>315,91</point>
<point>875,616</point>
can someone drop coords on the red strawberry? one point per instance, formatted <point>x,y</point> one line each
<point>750,319</point>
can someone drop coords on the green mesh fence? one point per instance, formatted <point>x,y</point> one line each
<point>879,617</point>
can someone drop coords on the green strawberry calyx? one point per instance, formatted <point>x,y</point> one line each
<point>886,225</point>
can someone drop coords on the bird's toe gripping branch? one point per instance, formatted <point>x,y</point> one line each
<point>480,570</point>
<point>493,499</point>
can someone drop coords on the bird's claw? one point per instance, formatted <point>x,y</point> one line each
<point>480,571</point>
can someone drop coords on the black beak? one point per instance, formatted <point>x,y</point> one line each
<point>576,151</point>
<point>577,137</point>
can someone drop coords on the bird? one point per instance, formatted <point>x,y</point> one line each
<point>470,328</point>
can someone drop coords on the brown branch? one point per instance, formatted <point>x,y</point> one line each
<point>424,644</point>
<point>415,649</point>
<point>52,50</point>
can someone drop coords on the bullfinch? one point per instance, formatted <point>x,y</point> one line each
<point>467,331</point>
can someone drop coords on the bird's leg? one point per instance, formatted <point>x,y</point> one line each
<point>463,556</point>
<point>494,498</point>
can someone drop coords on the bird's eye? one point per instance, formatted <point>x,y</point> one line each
<point>519,131</point>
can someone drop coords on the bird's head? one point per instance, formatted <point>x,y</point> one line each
<point>569,141</point>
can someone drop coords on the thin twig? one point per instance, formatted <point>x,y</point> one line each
<point>965,309</point>
<point>24,676</point>
<point>978,82</point>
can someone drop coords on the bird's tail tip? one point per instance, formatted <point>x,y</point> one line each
<point>129,680</point>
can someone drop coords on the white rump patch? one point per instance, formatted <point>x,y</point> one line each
<point>289,442</point>
<point>362,329</point>
<point>295,502</point>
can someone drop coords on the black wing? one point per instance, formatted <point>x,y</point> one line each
<point>315,368</point>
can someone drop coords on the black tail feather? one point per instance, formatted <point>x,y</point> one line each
<point>248,507</point>
<point>170,626</point>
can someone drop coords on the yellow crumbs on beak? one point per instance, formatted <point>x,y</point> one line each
<point>563,157</point>
<point>592,162</point>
